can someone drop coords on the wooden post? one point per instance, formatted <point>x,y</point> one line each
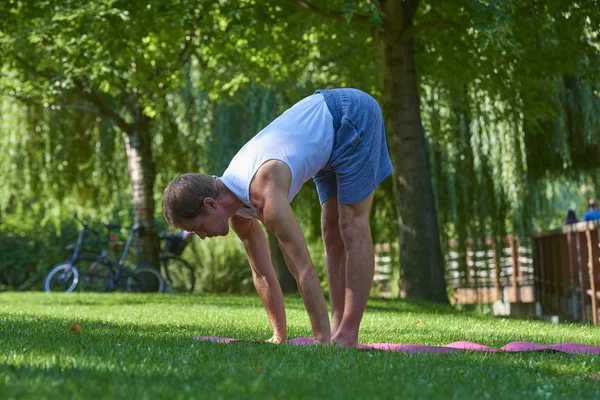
<point>537,270</point>
<point>514,255</point>
<point>543,272</point>
<point>469,266</point>
<point>592,242</point>
<point>497,288</point>
<point>565,277</point>
<point>557,280</point>
<point>572,249</point>
<point>583,273</point>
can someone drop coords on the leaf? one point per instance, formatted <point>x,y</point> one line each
<point>595,377</point>
<point>75,328</point>
<point>420,322</point>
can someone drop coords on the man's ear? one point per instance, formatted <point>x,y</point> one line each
<point>209,203</point>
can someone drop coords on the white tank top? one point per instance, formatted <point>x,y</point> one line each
<point>301,137</point>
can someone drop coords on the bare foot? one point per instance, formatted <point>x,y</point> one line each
<point>345,342</point>
<point>323,341</point>
<point>275,340</point>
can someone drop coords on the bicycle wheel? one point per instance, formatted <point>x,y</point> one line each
<point>94,275</point>
<point>179,275</point>
<point>145,279</point>
<point>62,278</point>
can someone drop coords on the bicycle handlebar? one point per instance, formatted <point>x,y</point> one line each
<point>86,225</point>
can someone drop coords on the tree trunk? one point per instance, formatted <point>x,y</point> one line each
<point>421,265</point>
<point>142,175</point>
<point>284,276</point>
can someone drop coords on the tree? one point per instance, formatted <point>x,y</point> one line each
<point>113,61</point>
<point>393,32</point>
<point>483,60</point>
<point>467,100</point>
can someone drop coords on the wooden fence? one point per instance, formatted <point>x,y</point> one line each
<point>487,271</point>
<point>567,271</point>
<point>386,259</point>
<point>479,274</point>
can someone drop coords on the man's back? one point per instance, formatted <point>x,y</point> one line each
<point>302,137</point>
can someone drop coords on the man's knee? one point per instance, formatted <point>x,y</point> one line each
<point>304,273</point>
<point>330,229</point>
<point>354,228</point>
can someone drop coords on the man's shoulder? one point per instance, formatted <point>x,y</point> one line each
<point>273,174</point>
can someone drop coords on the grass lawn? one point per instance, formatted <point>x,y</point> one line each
<point>140,346</point>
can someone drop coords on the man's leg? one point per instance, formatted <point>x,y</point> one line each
<point>335,259</point>
<point>360,264</point>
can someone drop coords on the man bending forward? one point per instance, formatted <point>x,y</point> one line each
<point>337,137</point>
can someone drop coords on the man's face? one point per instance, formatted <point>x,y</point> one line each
<point>214,223</point>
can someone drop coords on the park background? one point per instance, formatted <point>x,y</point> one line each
<point>492,117</point>
<point>491,109</point>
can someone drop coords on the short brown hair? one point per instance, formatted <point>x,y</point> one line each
<point>184,196</point>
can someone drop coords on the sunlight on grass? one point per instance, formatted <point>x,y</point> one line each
<point>140,346</point>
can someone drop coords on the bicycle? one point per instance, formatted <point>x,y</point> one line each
<point>67,277</point>
<point>178,273</point>
<point>100,273</point>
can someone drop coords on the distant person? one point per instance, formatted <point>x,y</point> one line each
<point>592,213</point>
<point>571,218</point>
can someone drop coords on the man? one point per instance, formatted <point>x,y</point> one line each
<point>337,137</point>
<point>592,213</point>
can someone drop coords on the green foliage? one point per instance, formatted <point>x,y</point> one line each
<point>27,258</point>
<point>509,101</point>
<point>221,266</point>
<point>30,250</point>
<point>496,91</point>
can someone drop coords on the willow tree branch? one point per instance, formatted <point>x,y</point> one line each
<point>413,30</point>
<point>334,15</point>
<point>95,98</point>
<point>410,9</point>
<point>81,107</point>
<point>184,48</point>
<point>87,92</point>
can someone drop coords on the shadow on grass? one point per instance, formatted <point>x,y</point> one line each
<point>293,301</point>
<point>386,320</point>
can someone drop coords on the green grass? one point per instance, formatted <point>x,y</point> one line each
<point>140,346</point>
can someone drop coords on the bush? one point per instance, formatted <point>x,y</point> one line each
<point>221,265</point>
<point>27,257</point>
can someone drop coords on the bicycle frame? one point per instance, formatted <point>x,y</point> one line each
<point>78,244</point>
<point>128,244</point>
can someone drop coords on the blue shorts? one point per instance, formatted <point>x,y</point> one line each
<point>359,158</point>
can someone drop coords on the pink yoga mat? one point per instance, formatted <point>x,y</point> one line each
<point>513,347</point>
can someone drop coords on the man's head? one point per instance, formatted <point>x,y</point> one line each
<point>190,203</point>
<point>592,204</point>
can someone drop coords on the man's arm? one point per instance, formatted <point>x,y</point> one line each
<point>263,273</point>
<point>269,192</point>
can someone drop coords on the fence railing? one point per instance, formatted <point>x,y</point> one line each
<point>386,259</point>
<point>488,270</point>
<point>483,272</point>
<point>567,271</point>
